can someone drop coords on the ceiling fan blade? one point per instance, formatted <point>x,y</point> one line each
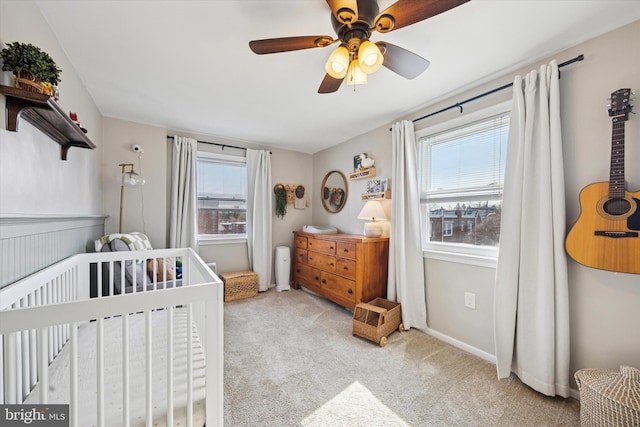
<point>286,44</point>
<point>406,12</point>
<point>401,61</point>
<point>345,11</point>
<point>329,84</point>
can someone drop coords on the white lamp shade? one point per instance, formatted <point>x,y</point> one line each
<point>372,210</point>
<point>369,57</point>
<point>338,63</point>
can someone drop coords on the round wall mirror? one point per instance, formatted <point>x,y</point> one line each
<point>334,191</point>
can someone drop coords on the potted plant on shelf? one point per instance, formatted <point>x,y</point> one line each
<point>33,68</point>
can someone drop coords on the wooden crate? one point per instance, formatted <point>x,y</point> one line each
<point>376,319</point>
<point>239,285</point>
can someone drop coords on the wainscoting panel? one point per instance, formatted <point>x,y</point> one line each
<point>31,243</point>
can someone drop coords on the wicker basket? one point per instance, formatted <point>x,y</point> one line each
<point>239,285</point>
<point>376,319</point>
<point>25,80</point>
<point>609,398</point>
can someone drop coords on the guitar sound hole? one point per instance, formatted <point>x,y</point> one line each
<point>617,206</point>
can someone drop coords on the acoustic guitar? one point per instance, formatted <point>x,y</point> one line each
<point>606,234</point>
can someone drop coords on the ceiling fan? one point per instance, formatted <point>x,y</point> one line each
<point>354,21</point>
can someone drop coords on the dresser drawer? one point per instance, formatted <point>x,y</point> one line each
<point>307,276</point>
<point>300,242</point>
<point>346,250</point>
<point>321,261</point>
<point>324,246</point>
<point>346,268</point>
<point>341,288</point>
<point>300,255</point>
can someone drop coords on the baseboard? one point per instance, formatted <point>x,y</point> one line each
<point>477,352</point>
<point>462,345</point>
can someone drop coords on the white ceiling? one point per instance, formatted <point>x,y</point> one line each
<point>186,65</point>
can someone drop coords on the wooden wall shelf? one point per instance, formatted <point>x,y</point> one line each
<point>44,113</point>
<point>377,196</point>
<point>367,173</point>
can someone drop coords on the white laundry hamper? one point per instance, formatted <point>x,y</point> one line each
<point>283,268</point>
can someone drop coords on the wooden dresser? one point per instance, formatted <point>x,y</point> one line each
<point>344,268</point>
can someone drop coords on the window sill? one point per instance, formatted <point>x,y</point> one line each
<point>460,258</point>
<point>203,241</point>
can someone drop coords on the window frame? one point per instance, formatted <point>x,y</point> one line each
<point>217,239</point>
<point>484,256</point>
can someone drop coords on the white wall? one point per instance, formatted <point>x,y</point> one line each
<point>377,145</point>
<point>603,305</point>
<point>144,208</point>
<point>33,179</point>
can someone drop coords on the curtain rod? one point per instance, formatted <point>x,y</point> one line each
<point>219,145</point>
<point>461,103</point>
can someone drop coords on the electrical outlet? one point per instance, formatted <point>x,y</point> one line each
<point>470,300</point>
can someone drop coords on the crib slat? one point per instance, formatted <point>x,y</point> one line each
<point>170,366</point>
<point>126,410</point>
<point>50,342</point>
<point>57,297</point>
<point>2,370</point>
<point>189,365</point>
<point>33,348</point>
<point>100,370</point>
<point>11,373</point>
<point>16,353</point>
<point>111,278</point>
<point>73,376</point>
<point>149,366</point>
<point>24,354</point>
<point>43,362</point>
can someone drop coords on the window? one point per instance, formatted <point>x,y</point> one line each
<point>462,166</point>
<point>222,196</point>
<point>447,230</point>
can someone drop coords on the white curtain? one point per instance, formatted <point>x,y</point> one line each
<point>531,307</point>
<point>259,212</point>
<point>406,266</point>
<point>183,226</point>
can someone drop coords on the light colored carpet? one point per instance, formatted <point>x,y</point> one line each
<point>291,360</point>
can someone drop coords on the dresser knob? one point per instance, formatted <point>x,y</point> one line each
<point>345,267</point>
<point>324,280</point>
<point>330,247</point>
<point>349,291</point>
<point>331,264</point>
<point>316,278</point>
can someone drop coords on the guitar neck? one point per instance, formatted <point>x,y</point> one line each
<point>617,184</point>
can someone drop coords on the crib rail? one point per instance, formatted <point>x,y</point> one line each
<point>45,310</point>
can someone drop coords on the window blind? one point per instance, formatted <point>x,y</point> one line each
<point>466,162</point>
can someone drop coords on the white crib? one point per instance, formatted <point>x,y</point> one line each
<point>150,356</point>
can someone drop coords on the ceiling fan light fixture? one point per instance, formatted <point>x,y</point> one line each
<point>355,75</point>
<point>338,63</point>
<point>369,57</point>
